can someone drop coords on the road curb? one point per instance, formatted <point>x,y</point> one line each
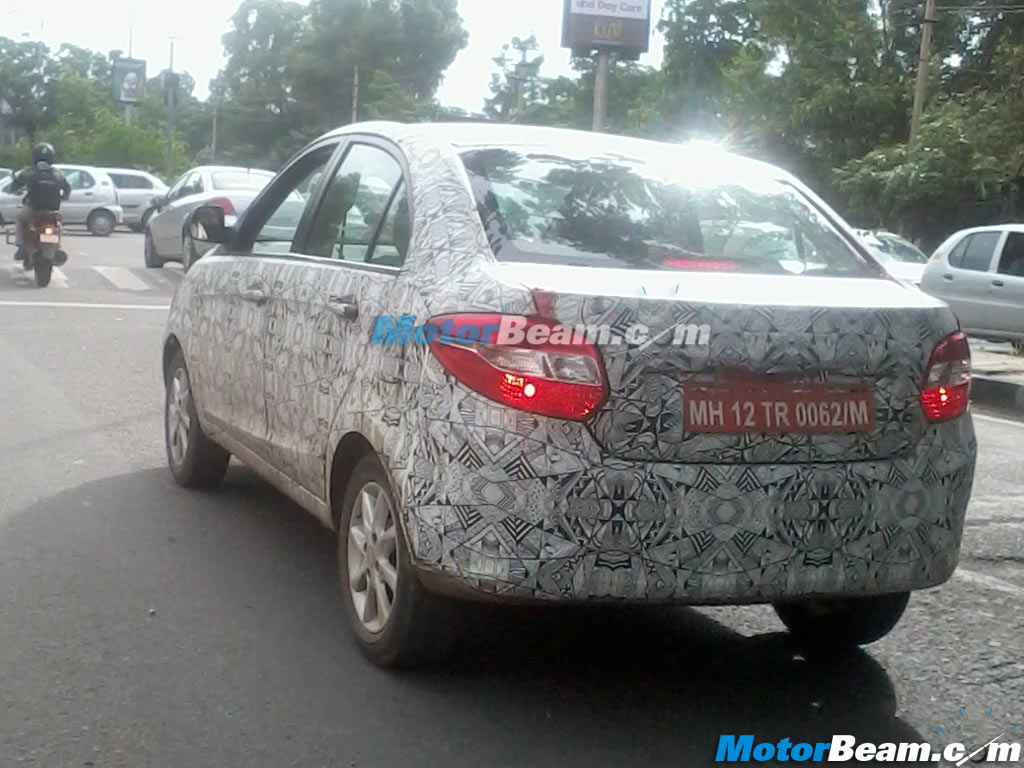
<point>997,393</point>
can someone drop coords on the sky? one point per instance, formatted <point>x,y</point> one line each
<point>197,25</point>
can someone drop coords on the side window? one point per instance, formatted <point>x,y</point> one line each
<point>141,182</point>
<point>120,181</point>
<point>172,193</point>
<point>1012,260</point>
<point>392,242</point>
<point>980,248</point>
<point>79,179</point>
<point>193,186</point>
<point>284,203</point>
<point>956,256</point>
<point>354,205</point>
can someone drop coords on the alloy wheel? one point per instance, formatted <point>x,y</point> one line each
<point>372,557</point>
<point>178,419</point>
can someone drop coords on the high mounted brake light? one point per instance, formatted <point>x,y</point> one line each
<point>946,391</point>
<point>564,381</point>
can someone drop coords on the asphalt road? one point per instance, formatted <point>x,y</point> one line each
<point>144,625</point>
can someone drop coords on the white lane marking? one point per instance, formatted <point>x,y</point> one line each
<point>997,420</point>
<point>58,279</point>
<point>990,582</point>
<point>123,278</point>
<point>82,305</point>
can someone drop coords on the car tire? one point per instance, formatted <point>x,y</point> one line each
<point>101,223</point>
<point>194,459</point>
<point>417,628</point>
<point>149,254</point>
<point>145,220</point>
<point>842,623</point>
<point>188,251</point>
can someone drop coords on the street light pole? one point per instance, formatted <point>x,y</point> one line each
<point>922,69</point>
<point>172,97</point>
<point>601,90</point>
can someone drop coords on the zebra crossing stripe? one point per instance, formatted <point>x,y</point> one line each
<point>123,278</point>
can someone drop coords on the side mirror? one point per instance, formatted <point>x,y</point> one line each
<point>158,202</point>
<point>208,225</point>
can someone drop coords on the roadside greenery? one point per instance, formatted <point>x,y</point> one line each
<point>823,89</point>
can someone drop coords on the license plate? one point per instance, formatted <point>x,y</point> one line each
<point>777,408</point>
<point>45,238</point>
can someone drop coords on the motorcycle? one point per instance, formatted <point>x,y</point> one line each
<point>42,246</point>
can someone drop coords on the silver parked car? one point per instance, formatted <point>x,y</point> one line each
<point>515,363</point>
<point>5,172</point>
<point>167,230</point>
<point>900,257</point>
<point>93,202</point>
<point>136,190</point>
<point>979,273</point>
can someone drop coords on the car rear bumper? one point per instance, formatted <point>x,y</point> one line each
<point>544,523</point>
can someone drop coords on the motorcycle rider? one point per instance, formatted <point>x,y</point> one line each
<point>46,187</point>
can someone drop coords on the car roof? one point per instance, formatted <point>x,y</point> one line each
<point>466,135</point>
<point>128,170</point>
<point>991,228</point>
<point>229,169</point>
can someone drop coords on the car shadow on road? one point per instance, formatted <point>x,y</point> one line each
<point>230,600</point>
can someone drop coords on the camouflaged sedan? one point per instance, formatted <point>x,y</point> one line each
<point>510,363</point>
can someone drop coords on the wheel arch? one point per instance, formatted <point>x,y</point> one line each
<point>351,449</point>
<point>171,347</point>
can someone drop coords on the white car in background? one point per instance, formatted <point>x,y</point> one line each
<point>136,190</point>
<point>167,230</point>
<point>94,201</point>
<point>900,257</point>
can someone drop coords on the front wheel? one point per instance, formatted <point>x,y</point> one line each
<point>195,460</point>
<point>396,622</point>
<point>189,256</point>
<point>44,270</point>
<point>843,622</point>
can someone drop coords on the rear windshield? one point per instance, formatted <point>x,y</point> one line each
<point>240,180</point>
<point>612,211</point>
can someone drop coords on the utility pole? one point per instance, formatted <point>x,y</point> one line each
<point>355,95</point>
<point>213,145</point>
<point>922,69</point>
<point>129,109</point>
<point>171,94</point>
<point>601,89</point>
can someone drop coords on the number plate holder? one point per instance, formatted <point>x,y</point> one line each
<point>45,238</point>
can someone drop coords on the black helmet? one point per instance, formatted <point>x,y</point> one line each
<point>43,153</point>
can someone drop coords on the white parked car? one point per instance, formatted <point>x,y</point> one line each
<point>515,363</point>
<point>136,190</point>
<point>93,201</point>
<point>979,272</point>
<point>167,230</point>
<point>900,257</point>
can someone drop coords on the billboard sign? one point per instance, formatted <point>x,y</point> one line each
<point>129,80</point>
<point>622,25</point>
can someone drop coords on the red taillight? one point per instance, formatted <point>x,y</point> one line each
<point>48,230</point>
<point>564,381</point>
<point>223,202</point>
<point>947,380</point>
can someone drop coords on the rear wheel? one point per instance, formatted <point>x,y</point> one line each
<point>44,270</point>
<point>843,622</point>
<point>396,622</point>
<point>153,261</point>
<point>195,460</point>
<point>101,223</point>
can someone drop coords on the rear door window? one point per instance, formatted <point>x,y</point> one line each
<point>651,213</point>
<point>1011,262</point>
<point>978,251</point>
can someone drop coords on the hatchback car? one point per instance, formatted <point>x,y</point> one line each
<point>167,230</point>
<point>980,274</point>
<point>136,190</point>
<point>93,201</point>
<point>510,363</point>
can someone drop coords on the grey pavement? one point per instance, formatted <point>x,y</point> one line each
<point>145,625</point>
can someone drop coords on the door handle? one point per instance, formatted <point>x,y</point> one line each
<point>254,293</point>
<point>344,307</point>
<point>998,283</point>
<point>948,278</point>
<point>88,194</point>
